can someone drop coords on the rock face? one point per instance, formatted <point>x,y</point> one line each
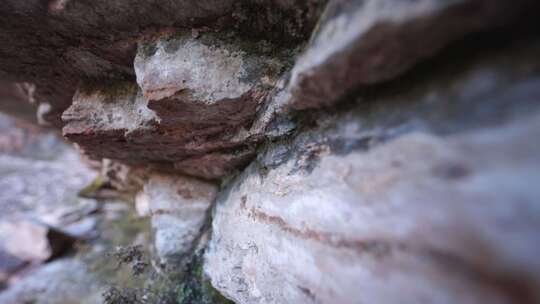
<point>56,43</point>
<point>420,194</point>
<point>390,158</point>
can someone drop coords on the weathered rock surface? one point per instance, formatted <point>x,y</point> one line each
<point>56,43</point>
<point>198,99</point>
<point>424,194</point>
<point>417,187</point>
<point>178,207</point>
<point>361,43</point>
<point>39,220</point>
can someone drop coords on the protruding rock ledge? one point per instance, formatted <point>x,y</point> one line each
<point>196,111</point>
<point>361,43</point>
<point>204,81</point>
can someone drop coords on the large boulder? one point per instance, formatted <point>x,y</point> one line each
<point>424,194</point>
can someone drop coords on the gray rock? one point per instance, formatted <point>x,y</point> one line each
<point>426,193</point>
<point>32,165</point>
<point>178,207</point>
<point>418,217</point>
<point>65,281</point>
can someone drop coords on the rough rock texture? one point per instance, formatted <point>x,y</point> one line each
<point>413,219</point>
<point>392,161</point>
<point>178,207</point>
<point>55,43</point>
<point>361,43</point>
<point>425,193</point>
<point>197,100</point>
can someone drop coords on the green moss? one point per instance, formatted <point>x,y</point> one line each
<point>92,189</point>
<point>195,288</point>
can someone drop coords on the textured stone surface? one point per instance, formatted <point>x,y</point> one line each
<point>53,43</point>
<point>56,43</point>
<point>417,187</point>
<point>178,207</point>
<point>424,194</point>
<point>203,80</point>
<point>198,99</point>
<point>40,176</point>
<point>416,218</point>
<point>361,43</point>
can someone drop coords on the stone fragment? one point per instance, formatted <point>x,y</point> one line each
<point>361,43</point>
<point>32,241</point>
<point>120,177</point>
<point>30,173</point>
<point>178,208</point>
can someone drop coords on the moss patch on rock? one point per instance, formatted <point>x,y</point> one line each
<point>196,288</point>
